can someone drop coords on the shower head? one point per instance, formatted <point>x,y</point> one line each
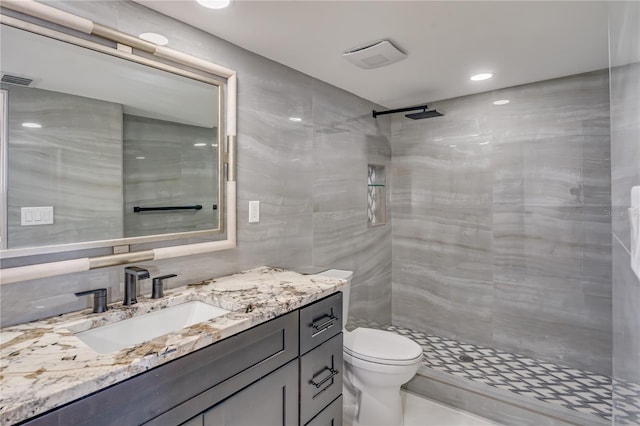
<point>424,114</point>
<point>414,116</point>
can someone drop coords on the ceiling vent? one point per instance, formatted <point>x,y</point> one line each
<point>14,79</point>
<point>374,55</point>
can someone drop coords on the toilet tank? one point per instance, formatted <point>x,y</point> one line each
<point>346,290</point>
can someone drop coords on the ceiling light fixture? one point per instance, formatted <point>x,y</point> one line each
<point>484,143</point>
<point>154,38</point>
<point>214,4</point>
<point>501,102</point>
<point>296,119</point>
<point>32,125</point>
<point>480,77</point>
<point>140,158</point>
<point>199,144</point>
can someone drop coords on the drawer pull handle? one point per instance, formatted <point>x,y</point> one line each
<point>333,372</point>
<point>325,325</point>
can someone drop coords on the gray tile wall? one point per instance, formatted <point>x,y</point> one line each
<point>54,166</point>
<point>500,225</point>
<point>624,45</point>
<point>310,178</point>
<point>172,172</point>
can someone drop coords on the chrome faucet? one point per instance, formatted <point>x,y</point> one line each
<point>131,276</point>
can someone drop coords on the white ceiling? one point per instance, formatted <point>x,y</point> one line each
<point>446,41</point>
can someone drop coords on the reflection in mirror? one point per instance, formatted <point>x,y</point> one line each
<point>97,143</point>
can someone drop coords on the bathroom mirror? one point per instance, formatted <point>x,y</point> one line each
<point>104,146</point>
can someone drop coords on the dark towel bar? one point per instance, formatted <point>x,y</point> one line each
<point>138,209</point>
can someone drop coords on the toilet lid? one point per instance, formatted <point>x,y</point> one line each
<point>381,346</point>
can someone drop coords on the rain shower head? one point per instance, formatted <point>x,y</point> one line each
<point>424,114</point>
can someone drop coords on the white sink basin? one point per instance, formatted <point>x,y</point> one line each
<point>130,332</point>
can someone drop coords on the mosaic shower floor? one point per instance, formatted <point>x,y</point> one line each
<point>578,390</point>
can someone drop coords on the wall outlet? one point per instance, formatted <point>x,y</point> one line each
<point>30,216</point>
<point>254,211</point>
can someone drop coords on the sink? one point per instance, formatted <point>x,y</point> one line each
<point>130,332</point>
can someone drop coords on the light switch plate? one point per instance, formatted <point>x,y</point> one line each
<point>30,216</point>
<point>254,211</point>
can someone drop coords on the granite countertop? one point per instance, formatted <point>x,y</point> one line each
<point>43,365</point>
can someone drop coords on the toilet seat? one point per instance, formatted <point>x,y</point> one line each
<point>381,347</point>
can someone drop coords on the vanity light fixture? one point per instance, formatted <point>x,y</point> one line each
<point>155,38</point>
<point>501,102</point>
<point>296,119</point>
<point>32,125</point>
<point>214,4</point>
<point>482,76</point>
<point>200,144</point>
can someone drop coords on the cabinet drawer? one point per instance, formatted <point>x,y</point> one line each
<point>320,322</point>
<point>320,378</point>
<point>330,416</point>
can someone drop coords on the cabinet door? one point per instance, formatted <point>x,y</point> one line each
<point>330,416</point>
<point>271,401</point>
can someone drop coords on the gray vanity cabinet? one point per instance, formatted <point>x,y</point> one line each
<point>270,402</point>
<point>263,376</point>
<point>320,357</point>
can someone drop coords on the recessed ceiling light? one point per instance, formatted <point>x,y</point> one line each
<point>140,158</point>
<point>452,146</point>
<point>199,144</point>
<point>32,125</point>
<point>296,119</point>
<point>154,38</point>
<point>501,102</point>
<point>214,4</point>
<point>484,143</point>
<point>438,138</point>
<point>480,77</point>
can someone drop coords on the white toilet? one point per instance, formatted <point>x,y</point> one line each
<point>376,364</point>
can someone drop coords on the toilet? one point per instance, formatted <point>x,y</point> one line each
<point>376,364</point>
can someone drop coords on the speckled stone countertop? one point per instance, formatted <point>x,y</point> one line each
<point>44,365</point>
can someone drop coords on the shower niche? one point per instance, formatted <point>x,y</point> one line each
<point>376,195</point>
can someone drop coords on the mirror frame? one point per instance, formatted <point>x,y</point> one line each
<point>125,44</point>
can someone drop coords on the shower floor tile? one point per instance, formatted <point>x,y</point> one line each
<point>578,390</point>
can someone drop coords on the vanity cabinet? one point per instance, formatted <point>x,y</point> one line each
<point>260,376</point>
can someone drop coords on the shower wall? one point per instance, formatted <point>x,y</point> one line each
<point>501,231</point>
<point>624,44</point>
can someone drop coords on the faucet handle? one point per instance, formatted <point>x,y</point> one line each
<point>99,299</point>
<point>158,286</point>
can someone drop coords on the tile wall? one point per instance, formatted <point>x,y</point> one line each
<point>500,225</point>
<point>309,176</point>
<point>624,45</point>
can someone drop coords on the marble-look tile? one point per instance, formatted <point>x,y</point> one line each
<point>55,166</point>
<point>626,320</point>
<point>277,164</point>
<point>163,167</point>
<point>516,208</point>
<point>625,148</point>
<point>624,44</point>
